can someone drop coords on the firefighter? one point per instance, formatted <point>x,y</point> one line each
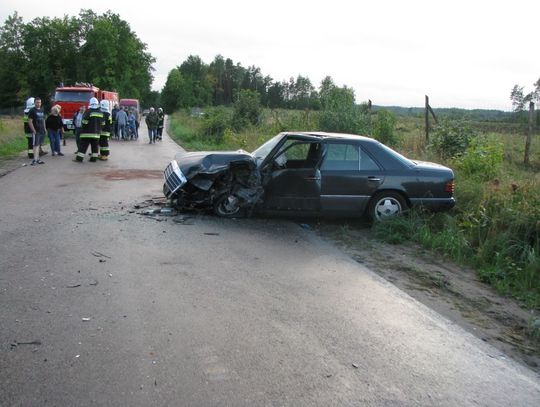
<point>27,129</point>
<point>105,131</point>
<point>92,123</point>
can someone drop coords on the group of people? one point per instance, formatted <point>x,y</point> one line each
<point>36,125</point>
<point>125,123</point>
<point>93,127</point>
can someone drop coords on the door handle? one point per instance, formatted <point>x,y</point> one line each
<point>313,178</point>
<point>374,179</point>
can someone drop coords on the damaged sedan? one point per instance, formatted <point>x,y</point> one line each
<point>308,173</point>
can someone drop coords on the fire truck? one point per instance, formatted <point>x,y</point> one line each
<point>71,98</point>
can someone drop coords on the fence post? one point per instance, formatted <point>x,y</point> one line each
<point>426,114</point>
<point>529,133</point>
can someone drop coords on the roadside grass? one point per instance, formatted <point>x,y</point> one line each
<point>495,226</point>
<point>12,139</point>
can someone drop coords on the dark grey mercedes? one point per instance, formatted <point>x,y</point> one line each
<point>308,173</point>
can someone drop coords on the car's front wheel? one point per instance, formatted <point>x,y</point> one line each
<point>228,206</point>
<point>385,205</point>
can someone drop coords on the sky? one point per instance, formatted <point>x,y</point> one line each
<point>462,53</point>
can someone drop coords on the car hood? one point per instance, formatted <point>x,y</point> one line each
<point>210,162</point>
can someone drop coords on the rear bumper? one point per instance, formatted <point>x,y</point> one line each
<point>434,204</point>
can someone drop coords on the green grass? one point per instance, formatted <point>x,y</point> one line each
<point>12,138</point>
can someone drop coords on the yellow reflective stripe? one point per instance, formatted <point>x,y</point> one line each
<point>89,135</point>
<point>96,114</point>
<point>105,134</point>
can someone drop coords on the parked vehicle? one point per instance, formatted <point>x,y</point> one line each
<point>70,99</point>
<point>309,173</point>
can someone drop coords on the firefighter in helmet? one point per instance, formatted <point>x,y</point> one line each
<point>92,123</point>
<point>104,150</point>
<point>27,129</point>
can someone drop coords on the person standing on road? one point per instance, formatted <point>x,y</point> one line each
<point>114,128</point>
<point>121,122</point>
<point>136,114</point>
<point>104,150</point>
<point>27,130</point>
<point>132,125</point>
<point>92,123</point>
<point>54,127</point>
<point>36,122</point>
<point>152,124</point>
<point>161,123</point>
<point>77,123</point>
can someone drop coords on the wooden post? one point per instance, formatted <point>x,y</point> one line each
<point>529,133</point>
<point>426,114</point>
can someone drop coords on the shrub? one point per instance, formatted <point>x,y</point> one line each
<point>215,122</point>
<point>481,159</point>
<point>383,128</point>
<point>341,114</point>
<point>451,138</point>
<point>247,109</point>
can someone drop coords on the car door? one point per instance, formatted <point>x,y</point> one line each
<point>294,180</point>
<point>350,176</point>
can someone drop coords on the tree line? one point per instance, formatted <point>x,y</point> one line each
<point>195,83</point>
<point>37,56</point>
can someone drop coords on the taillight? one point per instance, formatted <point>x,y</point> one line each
<point>449,187</point>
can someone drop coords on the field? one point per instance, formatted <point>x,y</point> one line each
<point>495,227</point>
<point>12,139</point>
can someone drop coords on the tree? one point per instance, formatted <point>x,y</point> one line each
<point>172,91</point>
<point>341,114</point>
<point>13,84</point>
<point>102,49</point>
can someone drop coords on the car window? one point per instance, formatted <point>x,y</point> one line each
<point>367,163</point>
<point>298,154</point>
<point>341,157</point>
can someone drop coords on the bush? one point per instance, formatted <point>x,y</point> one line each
<point>350,120</point>
<point>481,159</point>
<point>215,122</point>
<point>451,138</point>
<point>247,109</point>
<point>383,128</point>
<point>340,113</point>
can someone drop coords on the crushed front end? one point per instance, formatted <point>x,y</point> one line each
<point>228,183</point>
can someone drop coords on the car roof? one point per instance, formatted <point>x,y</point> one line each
<point>329,136</point>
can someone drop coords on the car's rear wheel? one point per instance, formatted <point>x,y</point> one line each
<point>385,205</point>
<point>228,206</point>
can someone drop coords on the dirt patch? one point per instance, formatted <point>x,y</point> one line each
<point>451,290</point>
<point>125,175</point>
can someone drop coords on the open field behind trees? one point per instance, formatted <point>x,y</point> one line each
<point>495,226</point>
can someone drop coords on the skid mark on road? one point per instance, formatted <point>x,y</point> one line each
<point>123,175</point>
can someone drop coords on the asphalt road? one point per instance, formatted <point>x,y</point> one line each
<point>101,305</point>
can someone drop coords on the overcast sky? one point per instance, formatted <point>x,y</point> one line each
<point>462,53</point>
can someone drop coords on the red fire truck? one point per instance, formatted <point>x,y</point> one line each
<point>70,98</point>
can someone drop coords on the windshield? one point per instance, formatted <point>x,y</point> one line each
<point>63,96</point>
<point>263,150</point>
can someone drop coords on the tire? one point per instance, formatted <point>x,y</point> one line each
<point>228,206</point>
<point>386,205</point>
